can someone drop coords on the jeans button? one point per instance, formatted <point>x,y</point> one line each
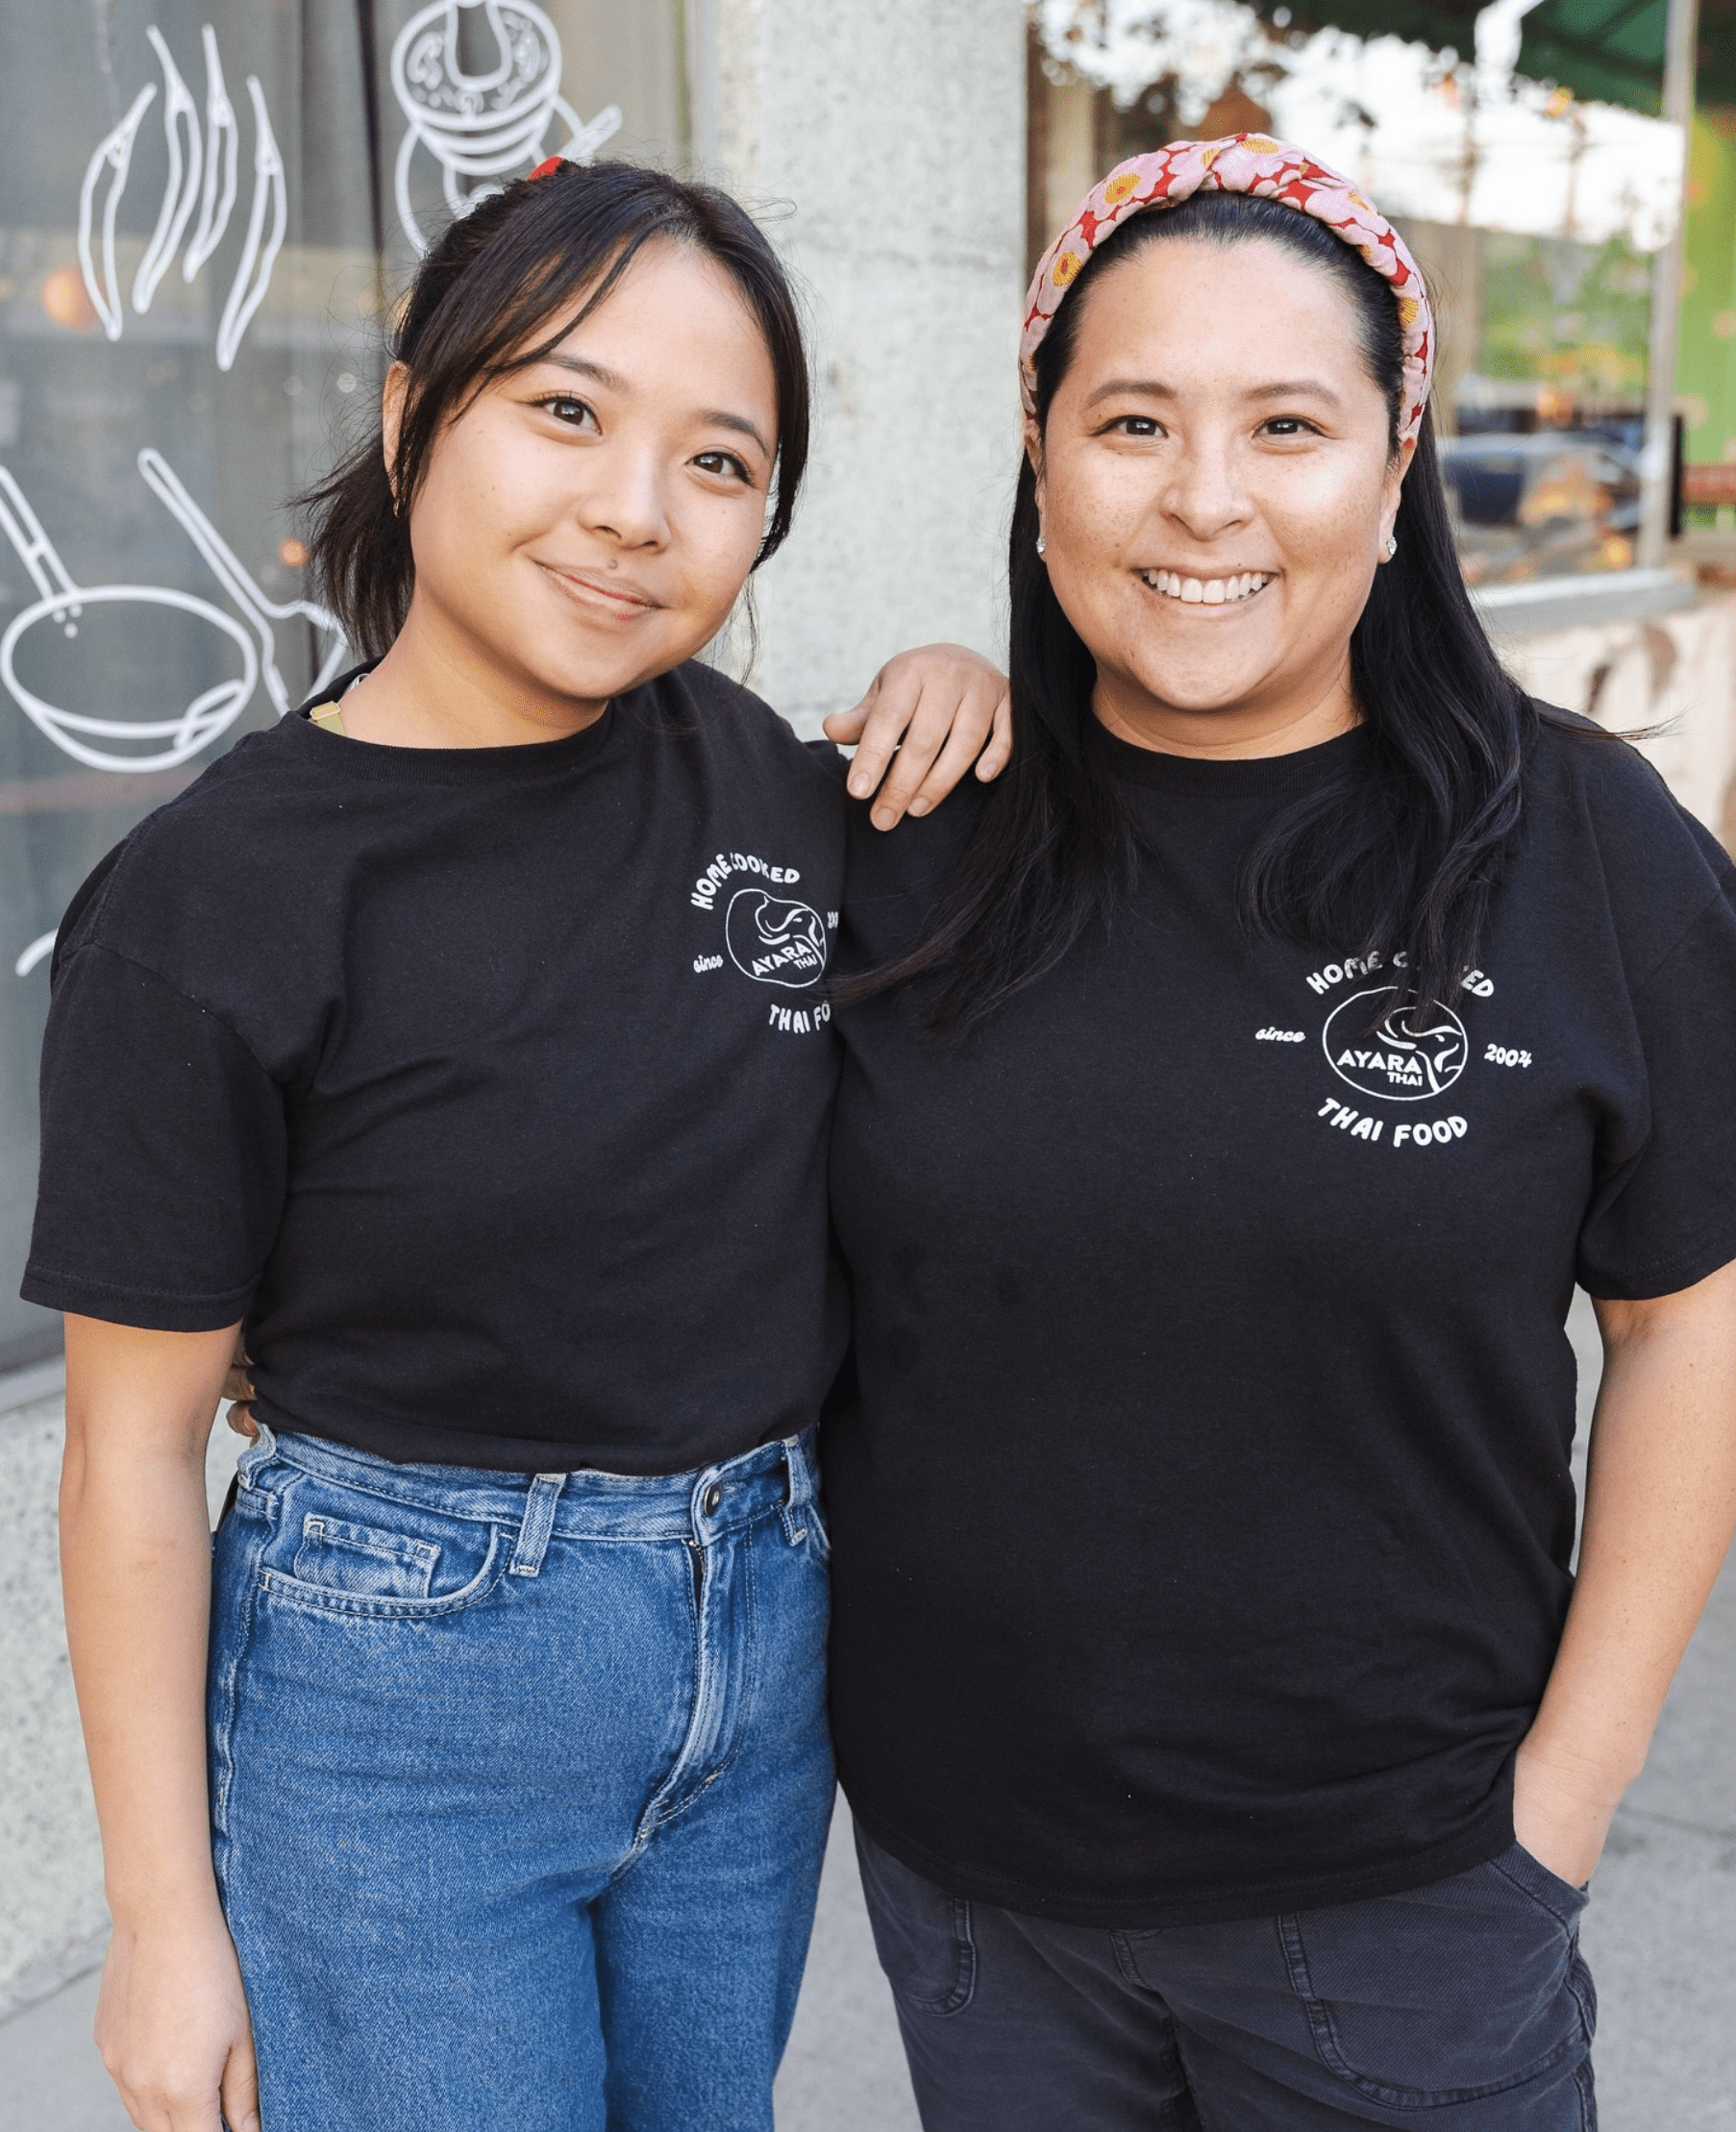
<point>713,1498</point>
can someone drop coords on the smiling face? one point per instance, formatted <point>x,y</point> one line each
<point>1216,489</point>
<point>589,522</point>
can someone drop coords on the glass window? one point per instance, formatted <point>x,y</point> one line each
<point>209,211</point>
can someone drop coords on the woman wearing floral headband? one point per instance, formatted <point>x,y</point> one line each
<point>1234,1097</point>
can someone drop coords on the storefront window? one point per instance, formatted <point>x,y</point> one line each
<point>210,211</point>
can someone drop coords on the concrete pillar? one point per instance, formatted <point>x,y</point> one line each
<point>51,1892</point>
<point>54,1923</point>
<point>885,142</point>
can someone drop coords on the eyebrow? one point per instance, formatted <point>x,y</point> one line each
<point>1155,388</point>
<point>612,380</point>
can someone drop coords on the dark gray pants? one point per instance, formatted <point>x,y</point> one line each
<point>1464,2004</point>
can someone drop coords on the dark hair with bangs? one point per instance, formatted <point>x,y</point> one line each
<point>1397,853</point>
<point>496,279</point>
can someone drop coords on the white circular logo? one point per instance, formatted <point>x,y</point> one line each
<point>1410,1056</point>
<point>775,942</point>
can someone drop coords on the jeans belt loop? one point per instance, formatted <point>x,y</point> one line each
<point>538,1523</point>
<point>802,1489</point>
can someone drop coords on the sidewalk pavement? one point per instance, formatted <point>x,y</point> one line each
<point>1660,1936</point>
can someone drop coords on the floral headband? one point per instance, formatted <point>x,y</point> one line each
<point>1241,162</point>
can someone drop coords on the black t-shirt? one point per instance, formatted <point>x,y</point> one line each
<point>1202,1538</point>
<point>490,1086</point>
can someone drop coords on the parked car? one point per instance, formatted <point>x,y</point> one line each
<point>1547,504</point>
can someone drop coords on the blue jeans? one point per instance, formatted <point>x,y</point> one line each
<point>519,1787</point>
<point>1464,2006</point>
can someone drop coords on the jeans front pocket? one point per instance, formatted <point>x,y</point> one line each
<point>344,1550</point>
<point>922,1933</point>
<point>363,1560</point>
<point>1462,1990</point>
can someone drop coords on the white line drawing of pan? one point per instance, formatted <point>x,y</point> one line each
<point>232,575</point>
<point>482,125</point>
<point>63,602</point>
<point>203,174</point>
<point>39,947</point>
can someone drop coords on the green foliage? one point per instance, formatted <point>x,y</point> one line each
<point>1572,315</point>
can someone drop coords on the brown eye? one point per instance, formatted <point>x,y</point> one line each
<point>564,407</point>
<point>724,463</point>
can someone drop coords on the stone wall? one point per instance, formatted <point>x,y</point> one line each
<point>885,142</point>
<point>53,1920</point>
<point>51,1901</point>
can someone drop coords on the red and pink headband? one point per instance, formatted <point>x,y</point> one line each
<point>1241,162</point>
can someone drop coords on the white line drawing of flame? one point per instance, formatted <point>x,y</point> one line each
<point>482,125</point>
<point>267,186</point>
<point>203,174</point>
<point>179,112</point>
<point>114,153</point>
<point>62,601</point>
<point>220,128</point>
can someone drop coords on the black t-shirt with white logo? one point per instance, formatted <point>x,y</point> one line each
<point>490,1086</point>
<point>1201,1537</point>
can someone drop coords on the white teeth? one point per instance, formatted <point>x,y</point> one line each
<point>1210,592</point>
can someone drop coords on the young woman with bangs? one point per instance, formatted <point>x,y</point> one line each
<point>463,1042</point>
<point>1233,1095</point>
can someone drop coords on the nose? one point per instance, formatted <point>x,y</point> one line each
<point>624,502</point>
<point>1205,495</point>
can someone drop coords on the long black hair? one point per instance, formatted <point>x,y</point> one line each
<point>1396,854</point>
<point>500,277</point>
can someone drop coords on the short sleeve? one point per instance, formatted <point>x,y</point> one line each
<point>163,1154</point>
<point>1667,1217</point>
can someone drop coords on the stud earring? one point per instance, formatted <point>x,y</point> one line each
<point>1392,546</point>
<point>1042,545</point>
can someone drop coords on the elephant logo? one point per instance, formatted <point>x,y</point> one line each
<point>1416,1052</point>
<point>775,942</point>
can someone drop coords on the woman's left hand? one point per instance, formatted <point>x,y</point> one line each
<point>930,713</point>
<point>1561,1813</point>
<point>237,1389</point>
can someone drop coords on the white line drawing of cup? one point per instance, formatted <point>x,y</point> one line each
<point>179,112</point>
<point>63,602</point>
<point>204,174</point>
<point>482,125</point>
